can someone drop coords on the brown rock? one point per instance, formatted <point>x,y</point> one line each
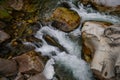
<point>39,76</point>
<point>3,36</point>
<point>29,63</point>
<point>8,67</point>
<point>65,19</point>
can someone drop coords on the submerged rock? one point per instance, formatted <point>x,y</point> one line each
<point>65,19</point>
<point>29,63</point>
<point>50,40</point>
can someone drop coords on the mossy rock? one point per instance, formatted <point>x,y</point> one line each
<point>65,19</point>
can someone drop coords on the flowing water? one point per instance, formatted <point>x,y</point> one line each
<point>71,57</point>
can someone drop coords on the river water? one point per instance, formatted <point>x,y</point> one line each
<point>71,58</point>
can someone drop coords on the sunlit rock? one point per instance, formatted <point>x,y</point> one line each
<point>89,28</point>
<point>30,63</point>
<point>102,42</point>
<point>65,19</point>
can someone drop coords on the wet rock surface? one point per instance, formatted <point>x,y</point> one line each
<point>29,63</point>
<point>65,19</point>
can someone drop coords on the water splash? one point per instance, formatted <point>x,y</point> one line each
<point>88,13</point>
<point>71,59</point>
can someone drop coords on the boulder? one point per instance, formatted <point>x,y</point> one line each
<point>50,40</point>
<point>65,19</point>
<point>8,67</point>
<point>29,63</point>
<point>103,44</point>
<point>92,27</point>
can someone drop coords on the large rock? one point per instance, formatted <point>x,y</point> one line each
<point>65,19</point>
<point>95,28</point>
<point>29,63</point>
<point>112,6</point>
<point>8,67</point>
<point>103,43</point>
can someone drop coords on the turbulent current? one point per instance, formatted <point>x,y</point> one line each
<point>70,59</point>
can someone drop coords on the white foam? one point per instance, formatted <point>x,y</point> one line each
<point>94,15</point>
<point>63,39</point>
<point>79,67</point>
<point>49,69</point>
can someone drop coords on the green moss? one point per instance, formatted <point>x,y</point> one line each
<point>4,14</point>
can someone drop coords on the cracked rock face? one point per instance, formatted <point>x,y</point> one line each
<point>101,41</point>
